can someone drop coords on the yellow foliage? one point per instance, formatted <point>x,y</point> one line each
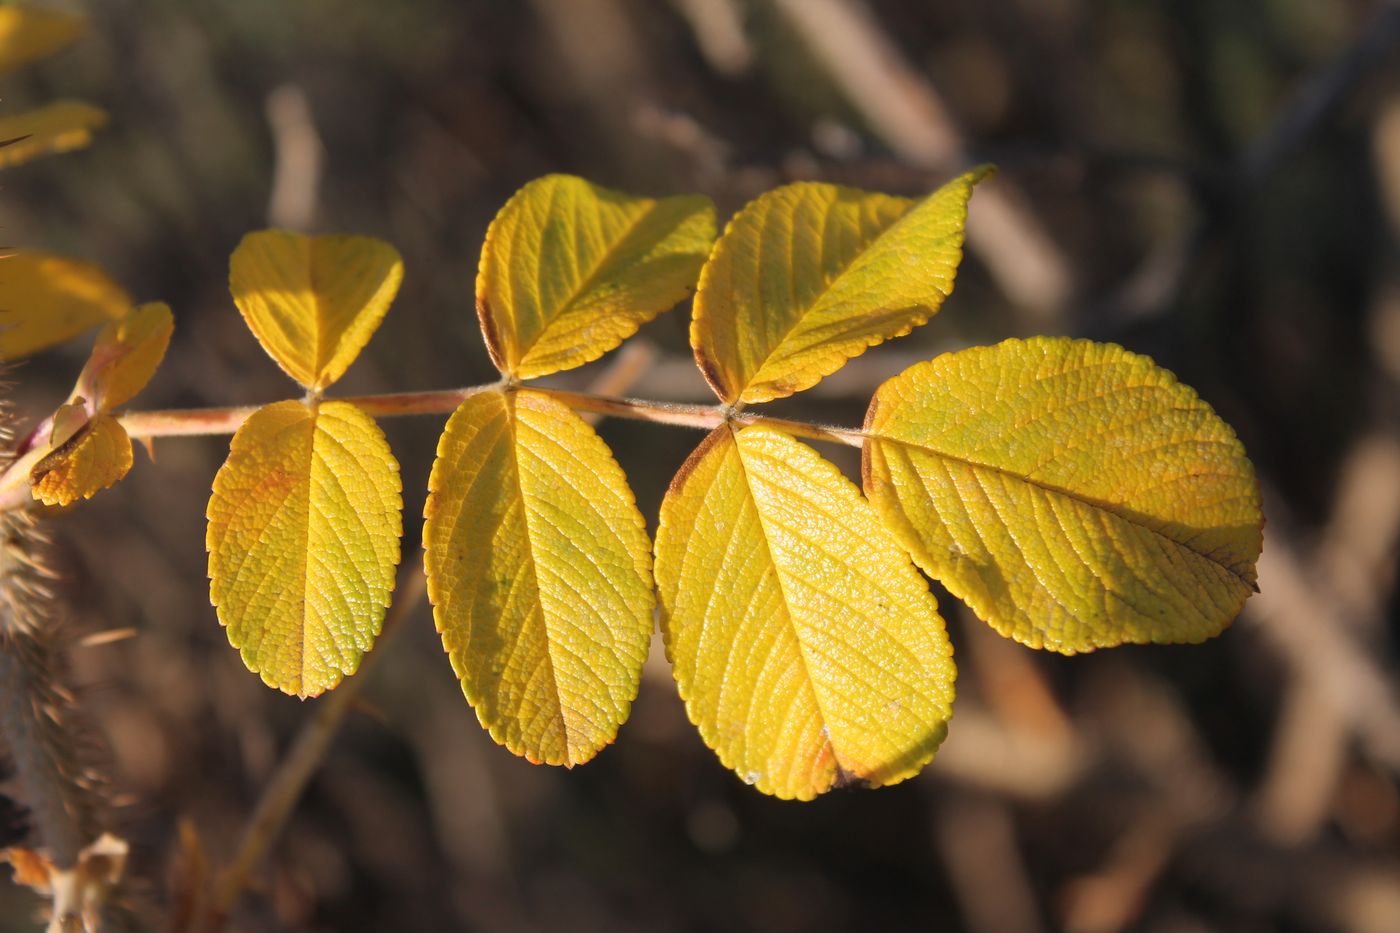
<point>126,356</point>
<point>47,299</point>
<point>807,648</point>
<point>87,462</point>
<point>1074,494</point>
<point>313,301</point>
<point>57,127</point>
<point>809,275</point>
<point>539,570</point>
<point>28,34</point>
<point>570,270</point>
<point>303,539</point>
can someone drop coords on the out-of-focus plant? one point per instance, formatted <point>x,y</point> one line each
<point>56,841</point>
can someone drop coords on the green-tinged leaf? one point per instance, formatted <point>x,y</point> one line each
<point>87,462</point>
<point>809,275</point>
<point>539,570</point>
<point>58,127</point>
<point>313,301</point>
<point>28,34</point>
<point>303,539</point>
<point>807,648</point>
<point>570,270</point>
<point>47,299</point>
<point>126,356</point>
<point>1074,494</point>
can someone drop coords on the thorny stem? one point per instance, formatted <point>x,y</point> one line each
<point>189,422</point>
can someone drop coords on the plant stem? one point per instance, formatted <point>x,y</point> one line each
<point>196,421</point>
<point>191,422</point>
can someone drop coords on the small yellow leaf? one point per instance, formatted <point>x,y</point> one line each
<point>28,34</point>
<point>1074,494</point>
<point>86,463</point>
<point>569,270</point>
<point>47,299</point>
<point>313,301</point>
<point>126,356</point>
<point>807,648</point>
<point>57,127</point>
<point>809,275</point>
<point>303,539</point>
<point>539,570</point>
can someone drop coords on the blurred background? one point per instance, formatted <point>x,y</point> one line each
<point>1214,184</point>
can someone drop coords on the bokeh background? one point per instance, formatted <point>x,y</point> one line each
<point>1214,184</point>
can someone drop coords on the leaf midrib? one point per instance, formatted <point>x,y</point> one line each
<point>512,432</point>
<point>787,610</point>
<point>1067,494</point>
<point>587,281</point>
<point>805,312</point>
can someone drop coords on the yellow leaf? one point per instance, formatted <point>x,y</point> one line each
<point>303,539</point>
<point>313,301</point>
<point>539,570</point>
<point>47,299</point>
<point>809,275</point>
<point>57,127</point>
<point>86,463</point>
<point>807,648</point>
<point>1074,494</point>
<point>570,270</point>
<point>28,34</point>
<point>126,356</point>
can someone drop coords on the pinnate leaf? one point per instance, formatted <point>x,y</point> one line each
<point>47,299</point>
<point>57,127</point>
<point>303,539</point>
<point>1074,494</point>
<point>569,270</point>
<point>88,461</point>
<point>28,34</point>
<point>539,570</point>
<point>807,648</point>
<point>313,301</point>
<point>809,275</point>
<point>126,356</point>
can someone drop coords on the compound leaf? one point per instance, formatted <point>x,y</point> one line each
<point>126,356</point>
<point>89,461</point>
<point>809,275</point>
<point>569,270</point>
<point>807,648</point>
<point>28,34</point>
<point>57,127</point>
<point>303,539</point>
<point>539,570</point>
<point>1074,494</point>
<point>313,301</point>
<point>47,299</point>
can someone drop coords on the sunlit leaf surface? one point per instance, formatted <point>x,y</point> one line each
<point>303,539</point>
<point>313,301</point>
<point>809,275</point>
<point>1074,494</point>
<point>539,570</point>
<point>570,270</point>
<point>807,648</point>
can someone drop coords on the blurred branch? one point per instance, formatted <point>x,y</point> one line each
<point>907,112</point>
<point>296,177</point>
<point>1353,571</point>
<point>286,787</point>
